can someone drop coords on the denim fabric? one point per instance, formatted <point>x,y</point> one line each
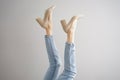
<point>69,71</point>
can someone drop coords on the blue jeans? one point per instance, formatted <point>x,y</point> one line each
<point>69,71</point>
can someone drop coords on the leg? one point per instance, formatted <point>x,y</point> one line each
<point>54,59</point>
<point>69,63</point>
<point>69,71</point>
<point>52,51</point>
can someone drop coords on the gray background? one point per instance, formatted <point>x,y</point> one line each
<point>22,47</point>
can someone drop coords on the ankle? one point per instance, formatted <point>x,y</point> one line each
<point>48,32</point>
<point>70,32</point>
<point>70,37</point>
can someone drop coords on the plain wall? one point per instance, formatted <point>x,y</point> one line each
<point>22,47</point>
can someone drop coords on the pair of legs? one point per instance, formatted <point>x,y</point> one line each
<point>69,71</point>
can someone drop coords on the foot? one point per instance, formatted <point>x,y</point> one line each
<point>71,26</point>
<point>46,23</point>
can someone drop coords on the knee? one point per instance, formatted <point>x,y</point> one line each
<point>71,73</point>
<point>56,64</point>
<point>67,75</point>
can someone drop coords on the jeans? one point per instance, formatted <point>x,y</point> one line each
<point>69,71</point>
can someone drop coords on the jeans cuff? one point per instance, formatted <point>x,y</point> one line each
<point>48,36</point>
<point>70,44</point>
